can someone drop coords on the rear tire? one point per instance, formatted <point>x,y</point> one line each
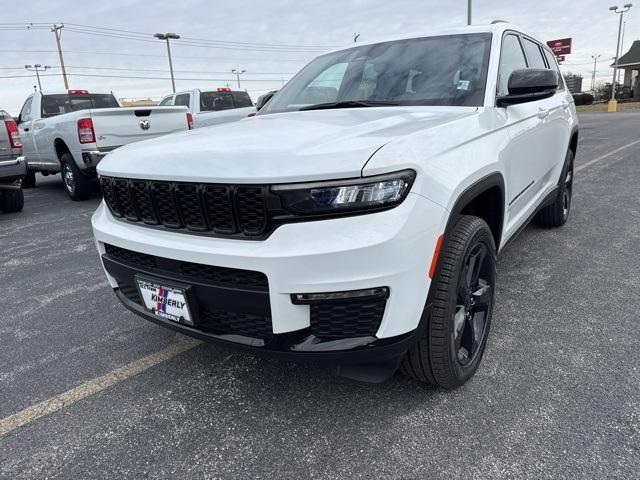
<point>11,200</point>
<point>557,214</point>
<point>29,181</point>
<point>450,351</point>
<point>77,185</point>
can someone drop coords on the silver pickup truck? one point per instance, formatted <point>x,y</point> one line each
<point>213,107</point>
<point>12,165</point>
<point>71,132</point>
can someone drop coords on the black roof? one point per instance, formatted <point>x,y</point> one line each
<point>632,56</point>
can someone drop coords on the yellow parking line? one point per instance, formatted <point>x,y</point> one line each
<point>92,387</point>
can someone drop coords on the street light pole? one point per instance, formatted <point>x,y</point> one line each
<point>169,36</point>
<point>469,12</point>
<point>36,68</point>
<point>238,72</point>
<point>593,77</point>
<point>614,9</point>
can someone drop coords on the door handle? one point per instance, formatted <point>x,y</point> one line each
<point>26,129</point>
<point>542,113</point>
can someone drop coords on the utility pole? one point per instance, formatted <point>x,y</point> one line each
<point>613,104</point>
<point>593,76</point>
<point>169,36</point>
<point>468,12</point>
<point>57,30</point>
<point>624,27</point>
<point>238,72</point>
<point>355,37</point>
<point>36,68</point>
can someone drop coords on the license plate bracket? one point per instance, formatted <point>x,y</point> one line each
<point>166,299</point>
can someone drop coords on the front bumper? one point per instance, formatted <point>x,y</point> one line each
<point>390,249</point>
<point>12,170</point>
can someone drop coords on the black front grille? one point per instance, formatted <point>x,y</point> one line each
<point>230,277</point>
<point>217,209</point>
<point>221,322</point>
<point>347,319</point>
<point>129,256</point>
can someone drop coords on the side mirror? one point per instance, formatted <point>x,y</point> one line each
<point>263,99</point>
<point>529,85</point>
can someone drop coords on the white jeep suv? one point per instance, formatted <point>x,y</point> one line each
<point>354,221</point>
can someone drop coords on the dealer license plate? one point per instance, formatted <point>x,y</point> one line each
<point>165,301</point>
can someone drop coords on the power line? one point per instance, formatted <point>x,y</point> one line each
<point>142,78</point>
<point>222,42</point>
<point>198,57</point>
<point>188,41</point>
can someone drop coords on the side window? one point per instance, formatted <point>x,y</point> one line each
<point>25,113</point>
<point>551,60</point>
<point>167,102</point>
<point>182,100</point>
<point>534,55</point>
<point>511,58</point>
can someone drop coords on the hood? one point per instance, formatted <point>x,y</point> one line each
<point>283,147</point>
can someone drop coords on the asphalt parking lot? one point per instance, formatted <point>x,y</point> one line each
<point>557,395</point>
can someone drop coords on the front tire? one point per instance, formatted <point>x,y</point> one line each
<point>77,185</point>
<point>11,200</point>
<point>450,351</point>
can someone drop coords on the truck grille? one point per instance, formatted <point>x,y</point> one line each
<point>217,209</point>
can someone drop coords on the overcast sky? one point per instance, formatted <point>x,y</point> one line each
<point>290,24</point>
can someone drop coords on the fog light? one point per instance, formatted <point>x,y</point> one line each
<point>346,296</point>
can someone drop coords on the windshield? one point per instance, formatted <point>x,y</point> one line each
<point>448,70</point>
<point>53,105</point>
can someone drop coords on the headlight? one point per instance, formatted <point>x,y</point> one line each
<point>369,193</point>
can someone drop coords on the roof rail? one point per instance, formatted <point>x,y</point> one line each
<point>498,21</point>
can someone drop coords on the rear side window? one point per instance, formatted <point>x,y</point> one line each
<point>554,66</point>
<point>511,58</point>
<point>241,99</point>
<point>53,105</point>
<point>25,113</point>
<point>166,102</point>
<point>534,55</point>
<point>182,100</point>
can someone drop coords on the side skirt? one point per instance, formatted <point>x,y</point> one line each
<point>548,200</point>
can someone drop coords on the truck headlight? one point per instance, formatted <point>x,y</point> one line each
<point>367,193</point>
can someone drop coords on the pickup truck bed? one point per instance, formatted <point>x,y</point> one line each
<point>12,166</point>
<point>78,129</point>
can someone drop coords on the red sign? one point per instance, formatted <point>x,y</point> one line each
<point>561,46</point>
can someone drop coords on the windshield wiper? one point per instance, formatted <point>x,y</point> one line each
<point>349,104</point>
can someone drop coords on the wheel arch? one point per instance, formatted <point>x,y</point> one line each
<point>485,199</point>
<point>573,142</point>
<point>61,148</point>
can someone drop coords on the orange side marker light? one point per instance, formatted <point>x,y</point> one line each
<point>436,254</point>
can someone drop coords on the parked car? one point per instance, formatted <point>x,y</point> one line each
<point>12,166</point>
<point>213,107</point>
<point>71,132</point>
<point>355,221</point>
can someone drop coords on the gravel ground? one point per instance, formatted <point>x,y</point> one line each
<point>556,396</point>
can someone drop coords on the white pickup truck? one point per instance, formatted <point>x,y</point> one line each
<point>213,107</point>
<point>71,132</point>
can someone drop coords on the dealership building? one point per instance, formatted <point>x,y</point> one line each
<point>630,63</point>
